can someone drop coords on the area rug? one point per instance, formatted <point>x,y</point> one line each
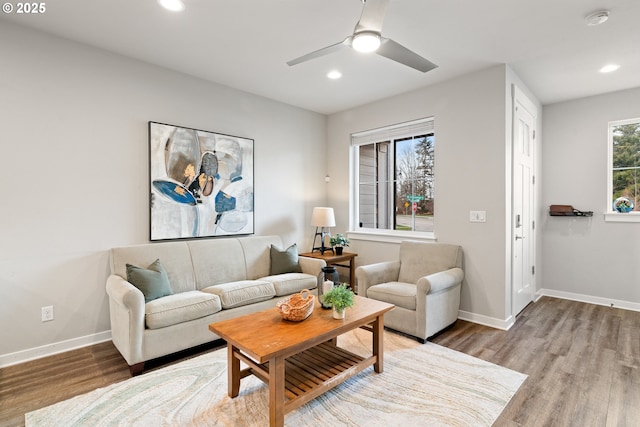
<point>422,384</point>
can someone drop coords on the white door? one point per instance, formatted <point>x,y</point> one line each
<point>522,222</point>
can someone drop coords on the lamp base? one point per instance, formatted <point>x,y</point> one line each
<point>322,248</point>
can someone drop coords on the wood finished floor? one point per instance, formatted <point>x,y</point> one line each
<point>582,360</point>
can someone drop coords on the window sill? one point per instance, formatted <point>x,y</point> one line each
<point>390,236</point>
<point>622,217</point>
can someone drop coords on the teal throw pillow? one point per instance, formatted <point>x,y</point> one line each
<point>153,281</point>
<point>285,261</point>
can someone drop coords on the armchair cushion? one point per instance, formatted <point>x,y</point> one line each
<point>398,293</point>
<point>418,259</point>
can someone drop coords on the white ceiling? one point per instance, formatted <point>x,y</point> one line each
<point>245,43</point>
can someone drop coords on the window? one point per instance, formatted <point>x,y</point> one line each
<point>394,178</point>
<point>624,167</point>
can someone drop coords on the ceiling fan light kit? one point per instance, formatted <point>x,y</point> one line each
<point>367,37</point>
<point>366,41</point>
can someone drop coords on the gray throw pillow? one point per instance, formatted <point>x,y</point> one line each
<point>285,261</point>
<point>153,281</point>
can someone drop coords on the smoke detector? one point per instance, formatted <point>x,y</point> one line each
<point>597,18</point>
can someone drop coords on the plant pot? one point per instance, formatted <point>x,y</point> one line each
<point>338,314</point>
<point>338,250</point>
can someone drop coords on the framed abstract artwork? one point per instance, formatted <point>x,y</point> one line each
<point>201,183</point>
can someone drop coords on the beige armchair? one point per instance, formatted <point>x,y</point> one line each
<point>424,285</point>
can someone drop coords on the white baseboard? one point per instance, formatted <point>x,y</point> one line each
<point>608,302</point>
<point>509,322</point>
<point>505,324</point>
<point>54,348</point>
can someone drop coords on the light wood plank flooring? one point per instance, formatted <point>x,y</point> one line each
<point>582,360</point>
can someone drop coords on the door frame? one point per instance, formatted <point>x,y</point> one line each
<point>519,98</point>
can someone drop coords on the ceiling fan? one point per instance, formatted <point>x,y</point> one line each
<point>367,37</point>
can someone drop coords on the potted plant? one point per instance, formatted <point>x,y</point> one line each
<point>340,297</point>
<point>338,242</point>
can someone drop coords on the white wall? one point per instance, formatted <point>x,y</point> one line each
<point>74,174</point>
<point>470,123</point>
<point>587,258</point>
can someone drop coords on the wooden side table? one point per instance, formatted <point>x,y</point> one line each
<point>338,260</point>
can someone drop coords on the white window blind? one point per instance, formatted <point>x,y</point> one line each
<point>401,130</point>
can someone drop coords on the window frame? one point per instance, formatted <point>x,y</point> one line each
<point>609,214</point>
<point>424,126</point>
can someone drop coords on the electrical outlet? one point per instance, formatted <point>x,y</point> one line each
<point>47,313</point>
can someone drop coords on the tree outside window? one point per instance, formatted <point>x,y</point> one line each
<point>396,184</point>
<point>414,183</point>
<point>625,160</point>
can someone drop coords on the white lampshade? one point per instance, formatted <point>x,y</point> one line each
<point>323,217</point>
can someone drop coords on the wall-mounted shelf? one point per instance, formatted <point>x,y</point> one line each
<point>567,210</point>
<point>574,213</point>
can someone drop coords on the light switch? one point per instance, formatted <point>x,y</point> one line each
<point>478,216</point>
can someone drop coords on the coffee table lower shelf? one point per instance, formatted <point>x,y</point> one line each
<point>311,372</point>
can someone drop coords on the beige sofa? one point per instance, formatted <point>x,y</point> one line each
<point>423,284</point>
<point>211,280</point>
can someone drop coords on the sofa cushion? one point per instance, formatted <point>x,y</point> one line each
<point>152,281</point>
<point>257,256</point>
<point>244,292</point>
<point>179,308</point>
<point>175,257</point>
<point>398,293</point>
<point>285,261</point>
<point>217,261</point>
<point>290,283</point>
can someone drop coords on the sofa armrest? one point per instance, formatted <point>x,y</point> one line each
<point>126,311</point>
<point>440,281</point>
<point>311,265</point>
<point>374,274</point>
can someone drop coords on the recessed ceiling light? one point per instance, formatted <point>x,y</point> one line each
<point>334,74</point>
<point>597,18</point>
<point>172,5</point>
<point>609,68</point>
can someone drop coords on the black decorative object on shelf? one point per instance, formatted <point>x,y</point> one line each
<point>567,210</point>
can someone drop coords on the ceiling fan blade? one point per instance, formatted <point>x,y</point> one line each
<point>321,52</point>
<point>372,17</point>
<point>396,52</point>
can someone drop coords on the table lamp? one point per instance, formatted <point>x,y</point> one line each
<point>322,218</point>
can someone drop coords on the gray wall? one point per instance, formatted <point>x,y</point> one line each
<point>471,157</point>
<point>74,175</point>
<point>587,258</point>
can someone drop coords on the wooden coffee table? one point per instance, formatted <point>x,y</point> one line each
<point>299,360</point>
